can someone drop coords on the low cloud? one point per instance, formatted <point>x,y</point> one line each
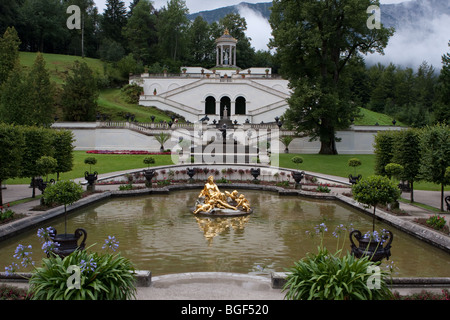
<point>258,28</point>
<point>425,40</point>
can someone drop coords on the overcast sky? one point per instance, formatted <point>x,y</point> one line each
<point>402,48</point>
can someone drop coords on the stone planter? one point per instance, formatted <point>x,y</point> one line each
<point>149,174</point>
<point>371,247</point>
<point>91,178</point>
<point>255,173</point>
<point>68,242</point>
<point>354,179</point>
<point>298,176</point>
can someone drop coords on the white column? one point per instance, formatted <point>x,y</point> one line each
<point>218,109</point>
<point>217,55</point>
<point>221,55</point>
<point>234,59</point>
<point>233,108</point>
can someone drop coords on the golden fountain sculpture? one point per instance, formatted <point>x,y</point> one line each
<point>212,201</point>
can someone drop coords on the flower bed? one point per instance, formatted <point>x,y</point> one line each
<point>140,152</point>
<point>423,221</point>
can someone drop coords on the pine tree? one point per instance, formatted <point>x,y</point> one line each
<point>114,19</point>
<point>9,52</point>
<point>41,93</point>
<point>80,93</point>
<point>140,32</point>
<point>15,106</point>
<point>442,104</point>
<point>11,144</point>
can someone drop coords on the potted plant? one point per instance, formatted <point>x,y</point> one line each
<point>66,193</point>
<point>149,173</point>
<point>371,192</point>
<point>255,173</point>
<point>286,140</point>
<point>162,138</point>
<point>394,172</point>
<point>101,276</point>
<point>45,165</point>
<point>298,175</point>
<point>90,176</point>
<point>354,162</point>
<point>191,172</point>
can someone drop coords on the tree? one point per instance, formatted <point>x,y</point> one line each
<point>91,161</point>
<point>114,20</point>
<point>384,150</point>
<point>63,192</point>
<point>297,160</point>
<point>46,165</point>
<point>37,144</point>
<point>394,170</point>
<point>11,146</point>
<point>162,138</point>
<point>15,106</point>
<point>43,25</point>
<point>41,93</point>
<point>172,26</point>
<point>315,40</point>
<point>286,140</point>
<point>435,155</point>
<point>442,105</point>
<point>406,152</point>
<point>63,150</point>
<point>201,44</point>
<point>375,190</point>
<point>354,162</point>
<point>80,93</point>
<point>140,32</point>
<point>9,53</point>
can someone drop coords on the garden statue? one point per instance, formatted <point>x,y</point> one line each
<point>212,201</point>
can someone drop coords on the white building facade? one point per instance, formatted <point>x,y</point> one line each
<point>252,95</point>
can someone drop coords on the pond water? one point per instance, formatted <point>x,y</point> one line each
<point>159,233</point>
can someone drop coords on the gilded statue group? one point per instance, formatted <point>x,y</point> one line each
<point>211,198</point>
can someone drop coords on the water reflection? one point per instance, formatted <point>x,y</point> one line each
<point>212,227</point>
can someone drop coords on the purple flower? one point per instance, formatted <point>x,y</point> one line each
<point>111,243</point>
<point>88,265</point>
<point>24,253</point>
<point>11,269</point>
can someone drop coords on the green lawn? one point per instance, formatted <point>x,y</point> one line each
<point>369,118</point>
<point>327,164</point>
<point>337,165</point>
<point>111,102</point>
<point>105,163</point>
<point>59,64</point>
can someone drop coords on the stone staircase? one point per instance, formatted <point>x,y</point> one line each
<point>228,151</point>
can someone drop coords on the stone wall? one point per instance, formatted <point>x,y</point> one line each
<point>94,136</point>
